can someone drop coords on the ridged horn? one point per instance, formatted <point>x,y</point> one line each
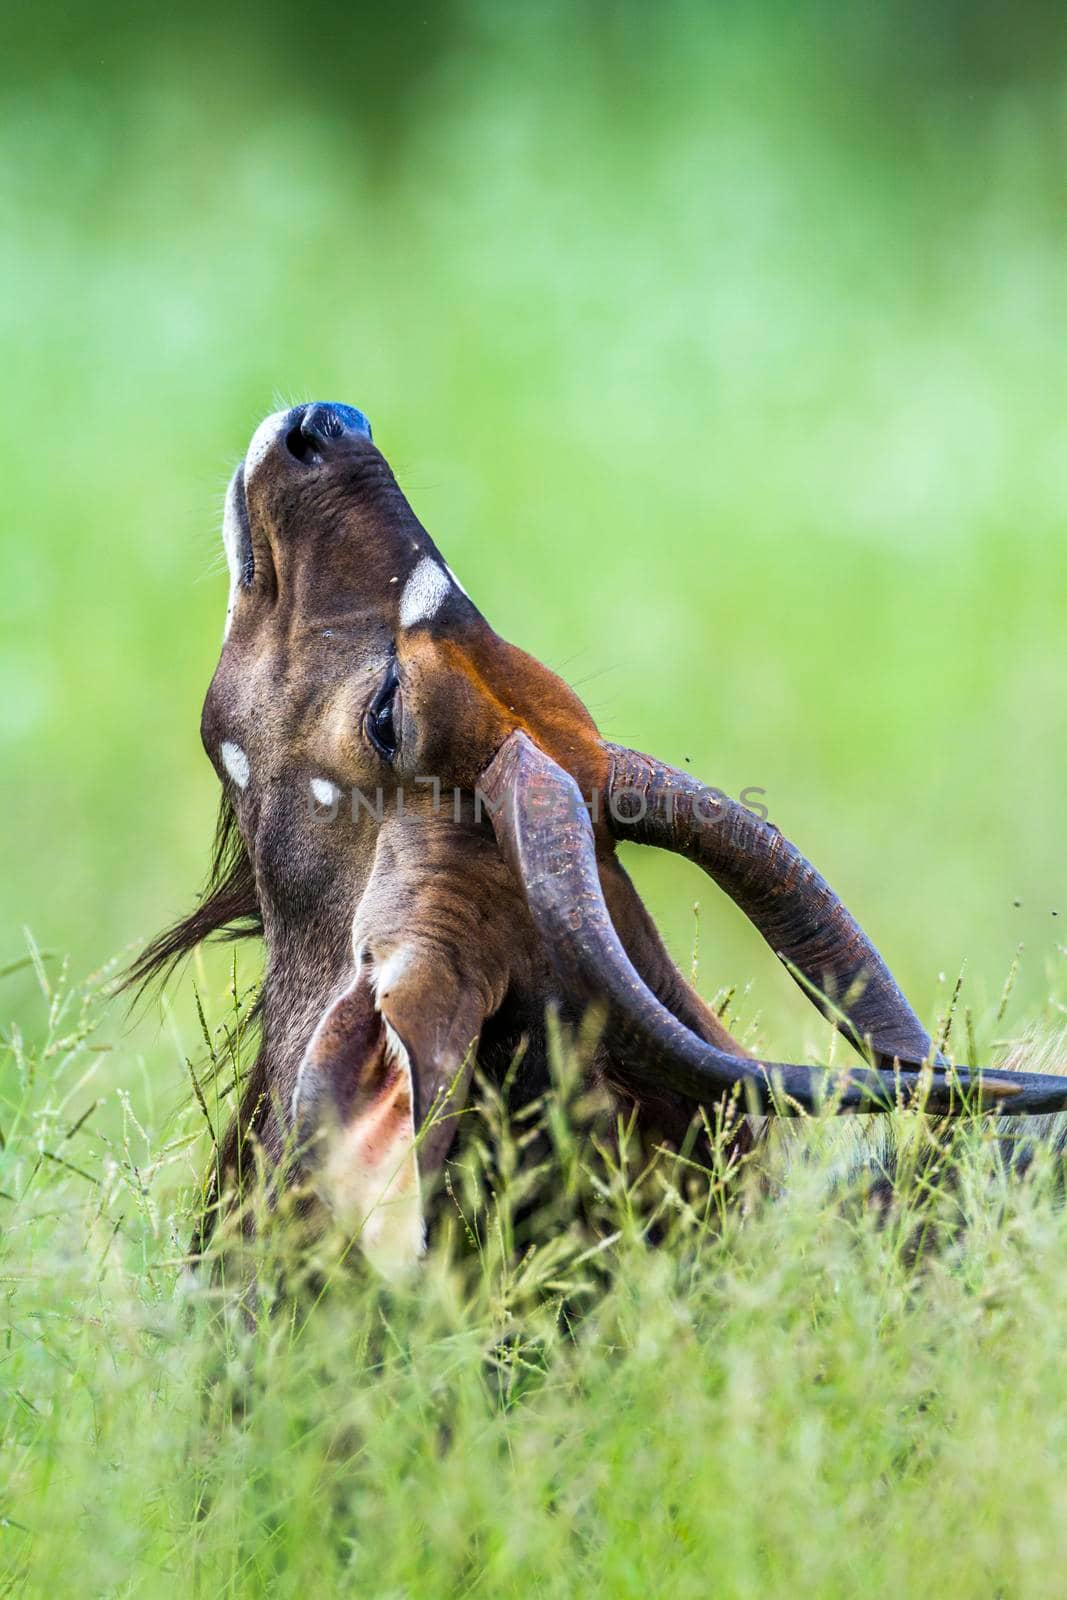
<point>805,923</point>
<point>544,832</point>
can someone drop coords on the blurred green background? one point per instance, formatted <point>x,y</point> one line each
<point>720,347</point>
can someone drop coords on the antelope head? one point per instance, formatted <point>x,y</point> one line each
<point>426,824</point>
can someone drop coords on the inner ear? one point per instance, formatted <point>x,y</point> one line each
<point>354,1110</point>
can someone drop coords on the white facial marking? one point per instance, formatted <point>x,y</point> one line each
<point>262,440</point>
<point>392,968</point>
<point>236,763</point>
<point>325,792</point>
<point>231,543</point>
<point>424,592</point>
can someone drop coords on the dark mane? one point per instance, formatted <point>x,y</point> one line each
<point>228,908</point>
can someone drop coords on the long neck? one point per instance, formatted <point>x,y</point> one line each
<point>308,963</point>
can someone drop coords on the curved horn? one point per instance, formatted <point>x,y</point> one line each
<point>781,894</point>
<point>545,834</point>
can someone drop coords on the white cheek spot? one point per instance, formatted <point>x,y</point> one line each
<point>262,440</point>
<point>425,591</point>
<point>236,763</point>
<point>325,792</point>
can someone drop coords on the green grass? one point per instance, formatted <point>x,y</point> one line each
<point>717,353</point>
<point>609,1378</point>
<point>717,346</point>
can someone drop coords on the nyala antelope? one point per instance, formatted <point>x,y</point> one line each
<point>421,820</point>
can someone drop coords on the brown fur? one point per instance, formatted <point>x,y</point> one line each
<point>314,632</point>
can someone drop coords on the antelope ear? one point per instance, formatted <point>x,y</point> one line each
<point>435,1010</point>
<point>354,1110</point>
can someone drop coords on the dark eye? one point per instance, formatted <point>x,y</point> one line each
<point>381,727</point>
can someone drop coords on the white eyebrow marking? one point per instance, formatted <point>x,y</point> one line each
<point>325,792</point>
<point>236,763</point>
<point>424,592</point>
<point>262,440</point>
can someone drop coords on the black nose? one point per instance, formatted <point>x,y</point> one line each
<point>317,430</point>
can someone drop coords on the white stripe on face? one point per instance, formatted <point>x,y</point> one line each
<point>231,543</point>
<point>424,593</point>
<point>236,763</point>
<point>262,440</point>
